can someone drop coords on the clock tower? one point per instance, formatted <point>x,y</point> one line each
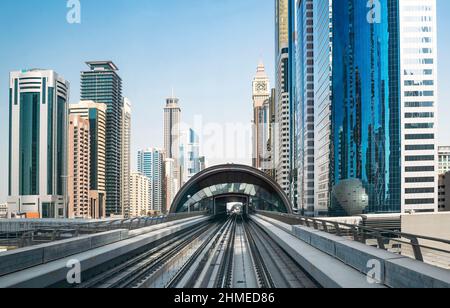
<point>261,120</point>
<point>261,86</point>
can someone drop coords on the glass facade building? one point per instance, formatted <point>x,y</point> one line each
<point>38,115</point>
<point>190,156</point>
<point>150,163</point>
<point>365,103</point>
<point>102,84</point>
<point>374,74</point>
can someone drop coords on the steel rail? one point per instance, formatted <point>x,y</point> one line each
<point>285,266</point>
<point>225,275</point>
<point>119,273</point>
<point>264,277</point>
<point>212,242</point>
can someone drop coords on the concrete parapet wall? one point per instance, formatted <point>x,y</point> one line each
<point>16,260</point>
<point>395,271</point>
<point>326,270</point>
<point>37,274</point>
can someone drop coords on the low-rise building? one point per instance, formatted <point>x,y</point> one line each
<point>3,210</point>
<point>444,192</point>
<point>139,195</point>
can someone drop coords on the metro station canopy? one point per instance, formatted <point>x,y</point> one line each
<point>232,180</point>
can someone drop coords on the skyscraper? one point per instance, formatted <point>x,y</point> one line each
<point>261,94</point>
<point>172,129</point>
<point>282,160</point>
<point>172,134</point>
<point>304,85</point>
<point>282,101</point>
<point>95,113</point>
<point>139,203</point>
<point>102,84</point>
<point>38,116</point>
<point>375,100</point>
<point>272,143</point>
<point>323,48</point>
<point>79,168</point>
<point>126,152</point>
<point>365,118</point>
<point>190,157</point>
<point>151,164</point>
<point>281,26</point>
<point>418,107</point>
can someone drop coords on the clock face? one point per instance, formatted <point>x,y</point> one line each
<point>261,86</point>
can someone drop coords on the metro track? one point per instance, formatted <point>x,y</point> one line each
<point>235,253</point>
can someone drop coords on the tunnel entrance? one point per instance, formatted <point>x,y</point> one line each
<point>213,189</point>
<point>231,204</point>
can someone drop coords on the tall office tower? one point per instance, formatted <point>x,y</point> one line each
<point>283,111</point>
<point>304,85</point>
<point>261,93</point>
<point>139,203</point>
<point>190,157</point>
<point>95,113</point>
<point>294,131</point>
<point>283,174</point>
<point>323,49</point>
<point>79,167</point>
<point>172,133</point>
<point>365,121</point>
<point>102,84</point>
<point>151,164</point>
<point>126,158</point>
<point>264,133</point>
<point>272,151</point>
<point>374,83</point>
<point>281,26</point>
<point>418,67</point>
<point>444,159</point>
<point>172,129</point>
<point>38,116</point>
<point>171,186</point>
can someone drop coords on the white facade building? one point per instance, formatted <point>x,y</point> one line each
<point>139,203</point>
<point>418,67</point>
<point>38,144</point>
<point>283,116</point>
<point>3,210</point>
<point>126,155</point>
<point>444,159</point>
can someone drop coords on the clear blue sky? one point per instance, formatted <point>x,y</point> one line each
<point>206,49</point>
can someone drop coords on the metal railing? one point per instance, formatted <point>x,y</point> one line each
<point>43,233</point>
<point>426,249</point>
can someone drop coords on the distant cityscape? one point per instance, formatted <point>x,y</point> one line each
<point>73,160</point>
<point>349,128</point>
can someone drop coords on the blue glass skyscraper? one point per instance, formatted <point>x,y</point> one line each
<point>365,105</point>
